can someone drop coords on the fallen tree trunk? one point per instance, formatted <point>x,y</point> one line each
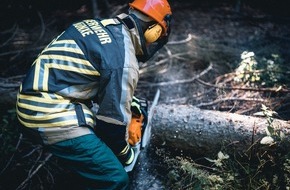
<point>186,127</point>
<point>204,132</point>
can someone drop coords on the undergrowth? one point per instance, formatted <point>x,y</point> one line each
<point>265,165</point>
<point>22,163</point>
<point>264,170</point>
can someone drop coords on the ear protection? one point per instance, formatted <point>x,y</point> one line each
<point>153,33</point>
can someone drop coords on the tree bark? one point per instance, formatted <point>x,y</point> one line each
<point>204,132</point>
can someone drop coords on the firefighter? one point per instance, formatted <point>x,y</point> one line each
<point>93,61</point>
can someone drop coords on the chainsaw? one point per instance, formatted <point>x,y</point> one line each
<point>140,130</point>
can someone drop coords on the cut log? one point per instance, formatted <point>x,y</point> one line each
<point>204,132</point>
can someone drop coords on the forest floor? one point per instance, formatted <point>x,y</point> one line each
<point>198,64</point>
<point>204,50</point>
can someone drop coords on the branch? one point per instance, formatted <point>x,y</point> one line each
<point>229,99</point>
<point>32,151</point>
<point>189,37</point>
<point>149,66</point>
<point>245,89</point>
<point>15,30</point>
<point>11,158</point>
<point>42,27</point>
<point>22,185</point>
<point>182,81</point>
<point>11,82</point>
<point>22,50</point>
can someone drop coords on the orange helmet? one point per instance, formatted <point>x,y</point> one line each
<point>159,10</point>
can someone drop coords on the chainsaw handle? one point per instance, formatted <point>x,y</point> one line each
<point>135,129</point>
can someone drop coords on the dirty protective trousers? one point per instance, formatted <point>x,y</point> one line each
<point>91,158</point>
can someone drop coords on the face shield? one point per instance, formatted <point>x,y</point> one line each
<point>149,49</point>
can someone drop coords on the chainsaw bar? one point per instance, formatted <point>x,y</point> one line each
<point>146,135</point>
<point>147,132</point>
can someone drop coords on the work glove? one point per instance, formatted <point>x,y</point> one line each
<point>139,120</point>
<point>139,106</point>
<point>126,156</point>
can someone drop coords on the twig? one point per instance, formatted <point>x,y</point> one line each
<point>232,74</point>
<point>189,37</point>
<point>11,82</point>
<point>32,151</point>
<point>200,95</point>
<point>243,112</point>
<point>229,99</point>
<point>182,81</point>
<point>254,132</point>
<point>169,54</point>
<point>50,175</point>
<point>6,85</point>
<point>35,162</point>
<point>178,100</point>
<point>152,66</point>
<point>10,29</point>
<point>17,77</point>
<point>22,51</point>
<point>245,89</point>
<point>22,185</point>
<point>11,158</point>
<point>42,27</point>
<point>12,36</point>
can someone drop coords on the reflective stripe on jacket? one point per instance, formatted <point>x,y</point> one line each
<point>91,60</point>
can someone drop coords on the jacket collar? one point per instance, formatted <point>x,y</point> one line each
<point>132,27</point>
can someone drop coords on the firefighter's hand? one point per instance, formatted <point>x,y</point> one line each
<point>136,107</point>
<point>126,156</point>
<point>135,130</point>
<point>131,157</point>
<point>139,106</point>
<point>138,121</point>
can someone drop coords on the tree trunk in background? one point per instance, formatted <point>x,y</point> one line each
<point>204,132</point>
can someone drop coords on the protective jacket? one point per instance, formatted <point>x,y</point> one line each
<point>93,60</point>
